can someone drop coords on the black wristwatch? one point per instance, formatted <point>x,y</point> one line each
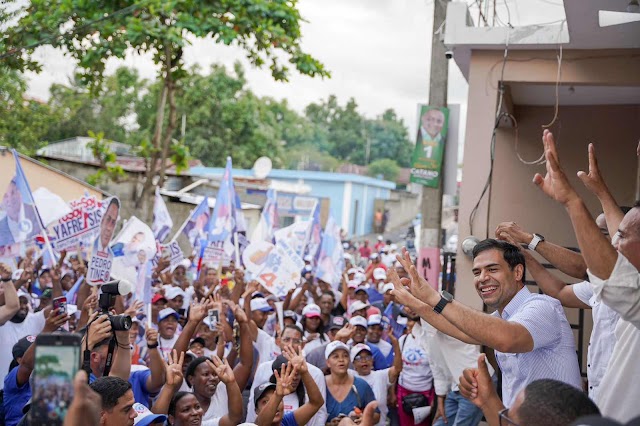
<point>6,280</point>
<point>152,346</point>
<point>444,301</point>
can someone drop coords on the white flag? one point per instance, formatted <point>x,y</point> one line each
<point>162,222</point>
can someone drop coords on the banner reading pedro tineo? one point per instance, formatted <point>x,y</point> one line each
<point>426,162</point>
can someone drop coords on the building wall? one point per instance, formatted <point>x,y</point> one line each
<point>40,176</point>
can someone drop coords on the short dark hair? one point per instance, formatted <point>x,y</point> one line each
<point>191,368</point>
<point>328,293</point>
<point>174,401</point>
<point>111,389</point>
<point>293,327</point>
<point>511,254</point>
<point>556,402</point>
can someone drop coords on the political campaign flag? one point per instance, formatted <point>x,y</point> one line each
<point>268,219</point>
<point>194,227</point>
<point>331,257</point>
<point>315,236</point>
<point>162,222</point>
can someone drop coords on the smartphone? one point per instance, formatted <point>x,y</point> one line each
<point>57,362</point>
<point>60,305</point>
<point>214,316</point>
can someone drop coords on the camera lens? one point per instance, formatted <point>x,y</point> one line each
<point>120,322</point>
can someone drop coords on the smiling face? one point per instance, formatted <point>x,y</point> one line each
<point>375,333</point>
<point>360,334</point>
<point>495,282</point>
<point>188,412</point>
<point>433,121</point>
<point>264,400</point>
<point>204,381</point>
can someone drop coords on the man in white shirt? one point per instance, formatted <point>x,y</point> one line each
<point>292,336</point>
<point>448,357</point>
<point>613,275</point>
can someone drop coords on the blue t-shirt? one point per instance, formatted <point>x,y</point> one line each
<point>380,362</point>
<point>289,419</point>
<point>14,398</point>
<point>138,380</point>
<point>358,398</point>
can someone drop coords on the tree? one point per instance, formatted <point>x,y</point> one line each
<point>92,32</point>
<point>25,120</point>
<point>388,138</point>
<point>386,167</point>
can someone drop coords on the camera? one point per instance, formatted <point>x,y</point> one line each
<point>108,298</point>
<point>449,54</point>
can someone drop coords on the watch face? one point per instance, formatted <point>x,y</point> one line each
<point>447,296</point>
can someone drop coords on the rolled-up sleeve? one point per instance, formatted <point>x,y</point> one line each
<point>621,292</point>
<point>540,318</point>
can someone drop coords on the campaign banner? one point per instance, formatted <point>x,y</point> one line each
<point>276,267</point>
<point>102,256</point>
<point>297,235</point>
<point>194,226</point>
<point>171,251</point>
<point>135,243</point>
<point>331,257</point>
<point>216,253</point>
<point>162,222</point>
<point>426,162</point>
<point>80,227</point>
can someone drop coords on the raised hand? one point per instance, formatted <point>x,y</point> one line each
<point>99,329</point>
<point>295,358</point>
<point>555,183</point>
<point>198,311</point>
<point>5,271</point>
<point>173,369</point>
<point>134,309</point>
<point>55,320</point>
<point>400,291</point>
<point>222,369</point>
<point>284,379</point>
<point>476,384</point>
<point>86,405</point>
<point>90,303</point>
<point>346,333</point>
<point>151,336</point>
<point>511,231</point>
<point>238,312</point>
<point>593,180</point>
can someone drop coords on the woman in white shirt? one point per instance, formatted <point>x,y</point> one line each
<point>313,327</point>
<point>415,379</point>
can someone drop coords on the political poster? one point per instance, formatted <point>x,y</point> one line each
<point>135,243</point>
<point>102,256</point>
<point>171,251</point>
<point>80,227</point>
<point>276,267</point>
<point>194,226</point>
<point>296,234</point>
<point>162,222</point>
<point>426,162</point>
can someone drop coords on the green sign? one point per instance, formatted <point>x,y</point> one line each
<point>426,162</point>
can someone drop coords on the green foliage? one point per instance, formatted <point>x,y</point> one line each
<point>24,121</point>
<point>386,167</point>
<point>109,170</point>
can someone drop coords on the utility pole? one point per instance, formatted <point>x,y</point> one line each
<point>431,204</point>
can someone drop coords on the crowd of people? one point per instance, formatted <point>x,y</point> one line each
<point>384,347</point>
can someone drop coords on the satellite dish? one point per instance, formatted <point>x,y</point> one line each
<point>262,167</point>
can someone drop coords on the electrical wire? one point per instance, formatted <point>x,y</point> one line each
<point>558,78</point>
<point>51,38</point>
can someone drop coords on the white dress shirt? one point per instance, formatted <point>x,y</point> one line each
<point>603,336</point>
<point>448,357</point>
<point>620,384</point>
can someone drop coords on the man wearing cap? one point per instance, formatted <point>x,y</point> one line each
<point>146,417</point>
<point>168,330</point>
<point>374,336</point>
<point>263,342</point>
<point>158,303</point>
<point>316,357</point>
<point>175,297</point>
<point>15,318</point>
<point>360,335</point>
<point>379,380</point>
<point>291,336</point>
<point>358,308</point>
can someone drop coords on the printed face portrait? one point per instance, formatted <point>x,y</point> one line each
<point>432,122</point>
<point>108,223</point>
<point>12,202</point>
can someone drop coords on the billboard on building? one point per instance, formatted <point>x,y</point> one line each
<point>426,162</point>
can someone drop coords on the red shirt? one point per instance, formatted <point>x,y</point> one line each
<point>379,246</point>
<point>365,251</point>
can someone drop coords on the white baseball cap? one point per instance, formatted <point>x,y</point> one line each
<point>167,312</point>
<point>357,349</point>
<point>334,346</point>
<point>379,274</point>
<point>387,287</point>
<point>375,319</point>
<point>308,258</point>
<point>260,304</point>
<point>380,238</point>
<point>145,417</point>
<point>352,271</point>
<point>173,292</point>
<point>373,256</point>
<point>356,306</point>
<point>353,283</point>
<point>359,321</point>
<point>311,311</point>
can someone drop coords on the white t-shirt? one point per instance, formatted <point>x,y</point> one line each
<point>165,346</point>
<point>11,332</point>
<point>219,406</point>
<point>379,382</point>
<point>266,346</point>
<point>263,373</point>
<point>416,373</point>
<point>384,346</point>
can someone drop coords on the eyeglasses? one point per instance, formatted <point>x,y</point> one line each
<point>504,419</point>
<point>363,358</point>
<point>292,340</point>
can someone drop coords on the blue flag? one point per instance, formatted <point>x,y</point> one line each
<point>195,227</point>
<point>331,258</point>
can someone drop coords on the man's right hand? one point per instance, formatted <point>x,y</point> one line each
<point>99,330</point>
<point>5,271</point>
<point>476,384</point>
<point>514,231</point>
<point>55,320</point>
<point>440,413</point>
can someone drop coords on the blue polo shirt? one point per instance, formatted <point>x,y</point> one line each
<point>138,380</point>
<point>289,420</point>
<point>15,398</point>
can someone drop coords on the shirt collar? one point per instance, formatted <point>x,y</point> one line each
<point>515,303</point>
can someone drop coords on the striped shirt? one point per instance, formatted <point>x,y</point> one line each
<point>554,351</point>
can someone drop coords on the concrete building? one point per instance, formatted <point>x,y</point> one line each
<point>352,197</point>
<point>579,78</point>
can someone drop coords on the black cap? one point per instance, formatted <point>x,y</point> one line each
<point>46,294</point>
<point>198,340</point>
<point>260,390</point>
<point>337,323</point>
<point>21,346</point>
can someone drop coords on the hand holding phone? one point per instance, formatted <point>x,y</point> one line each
<point>214,317</point>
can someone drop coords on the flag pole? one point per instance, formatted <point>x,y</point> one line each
<point>177,234</point>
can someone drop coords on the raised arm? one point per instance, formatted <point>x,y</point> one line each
<point>197,312</point>
<point>225,373</point>
<point>11,302</point>
<point>565,260</point>
<point>284,380</point>
<point>242,370</point>
<point>316,401</point>
<point>173,374</point>
<point>476,385</point>
<point>156,364</point>
<point>396,368</point>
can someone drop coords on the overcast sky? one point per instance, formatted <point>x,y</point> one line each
<point>378,52</point>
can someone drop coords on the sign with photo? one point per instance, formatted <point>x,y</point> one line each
<point>426,162</point>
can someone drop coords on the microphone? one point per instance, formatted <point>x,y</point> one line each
<point>121,287</point>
